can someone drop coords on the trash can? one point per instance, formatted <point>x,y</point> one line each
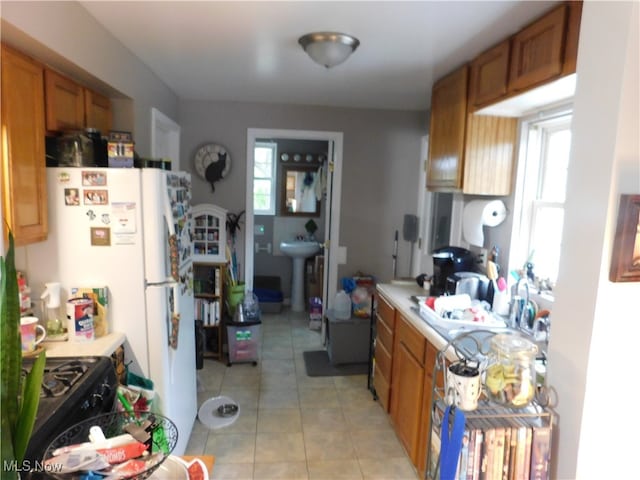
<point>348,339</point>
<point>243,341</point>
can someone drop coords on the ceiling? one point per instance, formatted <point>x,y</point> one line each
<point>248,51</point>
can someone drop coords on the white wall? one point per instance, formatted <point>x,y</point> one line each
<point>596,327</point>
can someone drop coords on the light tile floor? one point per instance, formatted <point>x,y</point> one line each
<point>292,426</point>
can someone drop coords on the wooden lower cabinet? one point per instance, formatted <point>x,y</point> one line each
<point>407,386</point>
<point>425,421</point>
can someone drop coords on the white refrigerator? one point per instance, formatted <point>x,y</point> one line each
<point>129,230</point>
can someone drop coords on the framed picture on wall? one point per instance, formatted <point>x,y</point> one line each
<point>625,258</point>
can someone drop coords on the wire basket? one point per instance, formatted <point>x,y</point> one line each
<point>163,440</point>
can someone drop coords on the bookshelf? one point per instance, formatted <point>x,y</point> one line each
<point>209,233</point>
<point>498,441</point>
<point>208,292</point>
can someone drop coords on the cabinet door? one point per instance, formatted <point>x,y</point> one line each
<point>64,103</point>
<point>447,131</point>
<point>572,37</point>
<point>537,51</point>
<point>489,156</point>
<point>97,111</point>
<point>406,399</point>
<point>489,73</point>
<point>427,392</point>
<point>24,186</point>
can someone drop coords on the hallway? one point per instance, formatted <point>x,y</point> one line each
<point>293,426</point>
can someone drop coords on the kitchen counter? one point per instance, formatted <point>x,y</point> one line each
<point>103,346</point>
<point>399,296</point>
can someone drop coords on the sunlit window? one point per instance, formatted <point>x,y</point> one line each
<point>264,180</point>
<point>541,191</point>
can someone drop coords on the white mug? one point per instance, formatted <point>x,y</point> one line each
<point>463,386</point>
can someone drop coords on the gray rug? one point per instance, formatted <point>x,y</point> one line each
<point>317,364</point>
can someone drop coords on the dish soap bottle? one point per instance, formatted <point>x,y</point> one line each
<point>51,309</point>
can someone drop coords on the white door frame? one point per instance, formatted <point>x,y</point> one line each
<point>337,138</point>
<point>165,138</point>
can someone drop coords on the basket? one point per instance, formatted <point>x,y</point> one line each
<point>164,438</point>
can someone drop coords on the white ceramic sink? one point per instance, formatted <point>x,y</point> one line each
<point>299,248</point>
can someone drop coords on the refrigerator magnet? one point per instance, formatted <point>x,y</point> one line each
<point>100,236</point>
<point>123,216</point>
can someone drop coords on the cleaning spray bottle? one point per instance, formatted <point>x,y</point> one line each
<point>51,309</point>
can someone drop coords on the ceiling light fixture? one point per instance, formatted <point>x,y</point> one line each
<point>328,48</point>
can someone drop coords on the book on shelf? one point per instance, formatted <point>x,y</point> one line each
<point>540,452</point>
<point>463,458</point>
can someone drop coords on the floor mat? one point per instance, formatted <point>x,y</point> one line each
<point>317,364</point>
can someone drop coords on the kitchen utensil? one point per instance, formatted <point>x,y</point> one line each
<point>463,385</point>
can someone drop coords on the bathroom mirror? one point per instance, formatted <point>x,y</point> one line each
<point>298,191</point>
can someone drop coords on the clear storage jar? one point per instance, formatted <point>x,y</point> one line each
<point>510,373</point>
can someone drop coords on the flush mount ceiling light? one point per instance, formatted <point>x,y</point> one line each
<point>328,48</point>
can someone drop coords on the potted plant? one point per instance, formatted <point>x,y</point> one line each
<point>19,397</point>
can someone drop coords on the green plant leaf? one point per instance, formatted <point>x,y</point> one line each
<point>29,406</point>
<point>10,351</point>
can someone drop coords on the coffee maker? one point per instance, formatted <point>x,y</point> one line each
<point>446,262</point>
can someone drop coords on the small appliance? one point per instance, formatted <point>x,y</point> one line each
<point>447,261</point>
<point>474,284</point>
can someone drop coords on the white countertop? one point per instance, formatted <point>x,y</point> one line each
<point>103,346</point>
<point>399,296</point>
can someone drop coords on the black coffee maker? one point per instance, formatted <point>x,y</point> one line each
<point>446,262</point>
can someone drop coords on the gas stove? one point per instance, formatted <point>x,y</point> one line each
<point>73,389</point>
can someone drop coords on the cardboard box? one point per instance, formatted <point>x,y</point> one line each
<point>120,154</point>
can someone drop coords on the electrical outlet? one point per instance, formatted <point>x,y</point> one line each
<point>482,257</point>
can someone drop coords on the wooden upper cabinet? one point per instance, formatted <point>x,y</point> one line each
<point>70,106</point>
<point>572,36</point>
<point>64,103</point>
<point>472,153</point>
<point>24,187</point>
<point>537,51</point>
<point>97,111</point>
<point>447,131</point>
<point>489,75</point>
<point>489,155</point>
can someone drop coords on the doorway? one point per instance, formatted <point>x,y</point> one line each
<point>331,203</point>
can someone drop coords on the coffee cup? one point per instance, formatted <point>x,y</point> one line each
<point>463,386</point>
<point>29,329</point>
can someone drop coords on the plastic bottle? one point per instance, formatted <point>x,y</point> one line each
<point>342,306</point>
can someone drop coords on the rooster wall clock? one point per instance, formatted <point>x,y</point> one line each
<point>212,163</point>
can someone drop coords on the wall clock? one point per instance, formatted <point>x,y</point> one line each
<point>212,163</point>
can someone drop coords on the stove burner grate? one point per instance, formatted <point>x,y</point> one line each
<point>59,380</point>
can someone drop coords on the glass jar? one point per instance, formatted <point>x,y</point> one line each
<point>510,374</point>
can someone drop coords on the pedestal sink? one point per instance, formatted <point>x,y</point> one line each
<point>298,250</point>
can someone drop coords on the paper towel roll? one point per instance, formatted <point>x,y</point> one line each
<point>477,213</point>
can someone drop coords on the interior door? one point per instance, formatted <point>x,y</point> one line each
<point>326,279</point>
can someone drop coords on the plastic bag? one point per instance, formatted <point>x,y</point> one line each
<point>251,306</point>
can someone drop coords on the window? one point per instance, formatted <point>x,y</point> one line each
<point>540,195</point>
<point>264,178</point>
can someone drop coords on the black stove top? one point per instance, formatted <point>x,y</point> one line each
<point>60,377</point>
<point>73,389</point>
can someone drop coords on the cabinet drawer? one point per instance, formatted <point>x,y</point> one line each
<point>382,389</point>
<point>383,360</point>
<point>386,312</point>
<point>413,340</point>
<point>384,334</point>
